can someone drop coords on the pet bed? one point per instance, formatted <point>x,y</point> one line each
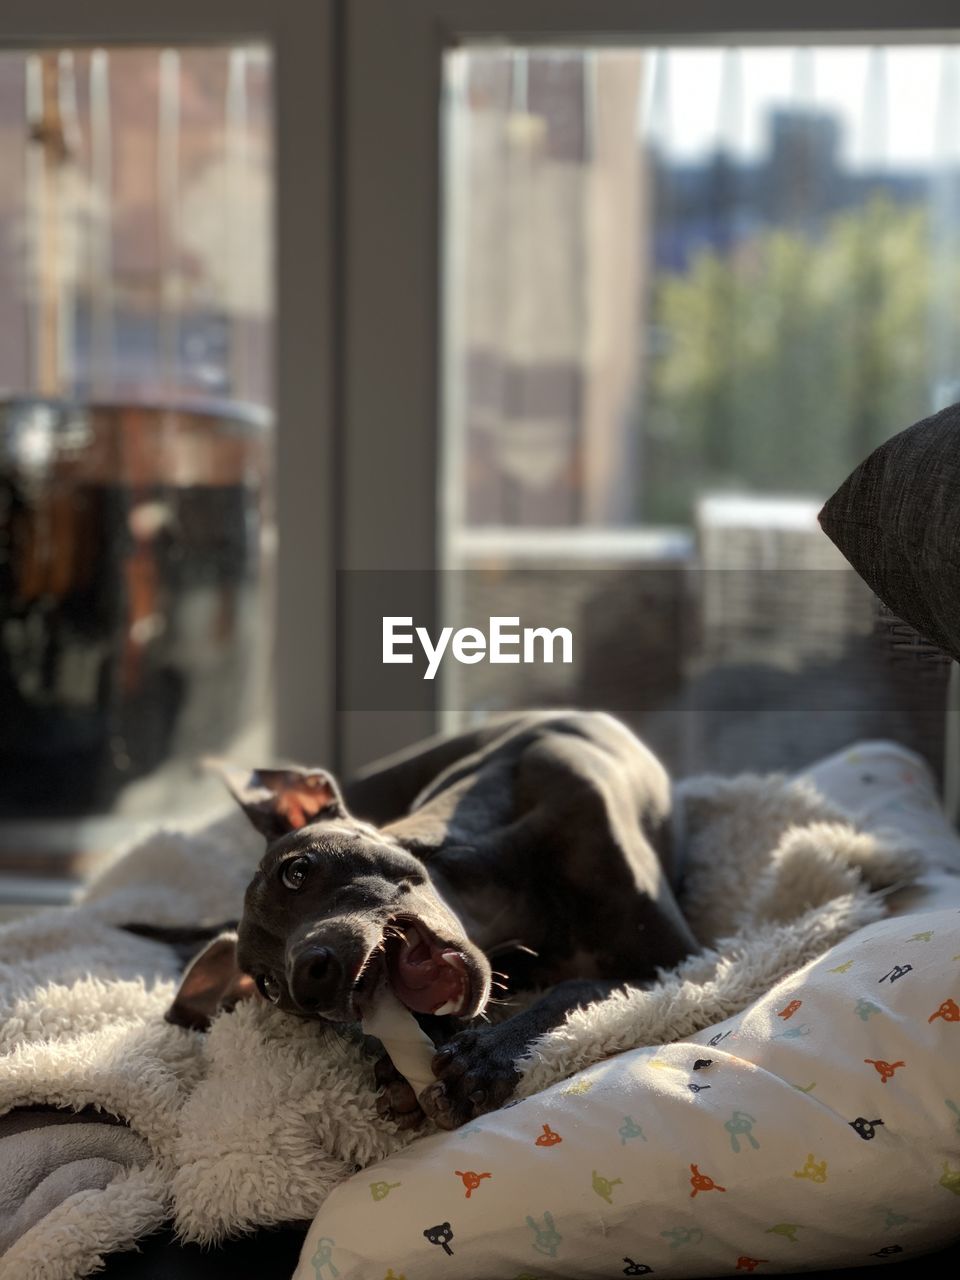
<point>256,1122</point>
<point>818,1128</point>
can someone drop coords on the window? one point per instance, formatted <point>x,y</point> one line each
<point>136,418</point>
<point>166,377</point>
<point>442,415</point>
<point>439,380</point>
<point>687,289</point>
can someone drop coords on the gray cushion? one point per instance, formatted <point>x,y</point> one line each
<point>48,1155</point>
<point>897,520</point>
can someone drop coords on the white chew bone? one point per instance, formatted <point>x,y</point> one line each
<point>411,1050</point>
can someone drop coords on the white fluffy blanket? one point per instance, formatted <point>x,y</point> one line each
<point>254,1123</point>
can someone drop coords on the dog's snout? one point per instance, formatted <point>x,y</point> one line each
<point>316,978</point>
<point>318,964</point>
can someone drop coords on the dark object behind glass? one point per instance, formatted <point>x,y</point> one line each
<point>131,595</point>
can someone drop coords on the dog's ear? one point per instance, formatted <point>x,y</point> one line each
<point>278,801</point>
<point>211,982</point>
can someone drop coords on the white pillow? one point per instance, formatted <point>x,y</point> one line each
<point>883,785</point>
<point>820,1128</point>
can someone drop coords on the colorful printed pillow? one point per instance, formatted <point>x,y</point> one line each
<point>818,1129</point>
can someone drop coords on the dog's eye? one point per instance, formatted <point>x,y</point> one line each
<point>268,987</point>
<point>293,874</point>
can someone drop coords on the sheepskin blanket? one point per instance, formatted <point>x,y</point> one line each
<point>255,1122</point>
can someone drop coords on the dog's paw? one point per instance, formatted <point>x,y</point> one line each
<point>396,1099</point>
<point>475,1074</point>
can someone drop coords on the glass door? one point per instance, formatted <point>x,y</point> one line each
<point>688,290</point>
<point>685,283</point>
<point>166,384</point>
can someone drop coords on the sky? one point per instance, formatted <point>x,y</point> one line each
<point>915,123</point>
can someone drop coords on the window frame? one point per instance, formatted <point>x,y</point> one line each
<point>359,305</point>
<point>302,39</point>
<point>392,276</point>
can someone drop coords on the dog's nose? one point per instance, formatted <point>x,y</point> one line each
<point>315,978</point>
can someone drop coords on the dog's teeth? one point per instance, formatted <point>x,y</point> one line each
<point>451,1006</point>
<point>411,937</point>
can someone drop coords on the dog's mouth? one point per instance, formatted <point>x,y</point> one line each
<point>425,974</point>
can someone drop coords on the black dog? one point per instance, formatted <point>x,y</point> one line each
<point>538,844</point>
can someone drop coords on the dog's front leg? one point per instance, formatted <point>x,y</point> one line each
<point>475,1069</point>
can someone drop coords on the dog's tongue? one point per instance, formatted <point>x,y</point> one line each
<point>424,977</point>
